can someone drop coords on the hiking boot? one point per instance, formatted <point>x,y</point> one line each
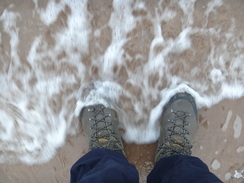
<point>178,126</point>
<point>100,124</point>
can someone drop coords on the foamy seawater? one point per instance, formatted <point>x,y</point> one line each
<point>59,56</point>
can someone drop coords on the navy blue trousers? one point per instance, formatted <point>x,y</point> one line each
<point>102,165</point>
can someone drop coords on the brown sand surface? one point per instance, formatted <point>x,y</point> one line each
<point>212,145</point>
<point>219,141</point>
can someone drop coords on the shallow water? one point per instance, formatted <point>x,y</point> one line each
<point>58,56</point>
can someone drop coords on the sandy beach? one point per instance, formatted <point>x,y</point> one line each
<point>48,49</point>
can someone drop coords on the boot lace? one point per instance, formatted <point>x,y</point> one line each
<point>104,136</point>
<point>171,145</point>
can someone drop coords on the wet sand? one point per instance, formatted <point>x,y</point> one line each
<point>219,141</point>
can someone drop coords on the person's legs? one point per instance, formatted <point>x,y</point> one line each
<point>106,162</point>
<point>173,161</point>
<point>102,166</point>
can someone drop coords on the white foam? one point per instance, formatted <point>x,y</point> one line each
<point>106,93</point>
<point>168,14</point>
<point>228,176</point>
<point>216,76</point>
<point>239,175</point>
<point>183,42</point>
<point>8,127</point>
<point>240,149</point>
<point>215,164</point>
<point>228,117</point>
<point>237,127</point>
<point>8,19</point>
<point>30,128</point>
<point>121,22</point>
<point>212,5</point>
<point>188,8</point>
<point>50,14</point>
<point>76,35</point>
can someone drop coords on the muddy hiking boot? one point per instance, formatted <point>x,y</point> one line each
<point>100,124</point>
<point>179,123</point>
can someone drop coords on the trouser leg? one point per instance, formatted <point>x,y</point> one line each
<point>181,169</point>
<point>103,165</point>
